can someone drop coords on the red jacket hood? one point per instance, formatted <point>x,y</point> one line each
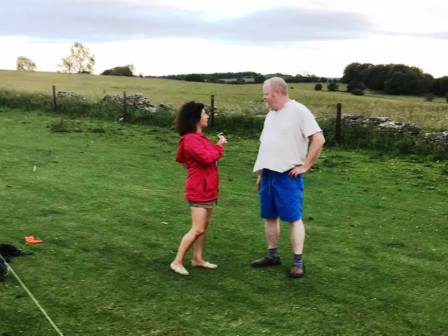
<point>180,157</point>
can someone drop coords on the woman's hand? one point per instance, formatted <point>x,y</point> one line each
<point>221,139</point>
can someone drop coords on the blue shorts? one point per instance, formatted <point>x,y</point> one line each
<point>281,196</point>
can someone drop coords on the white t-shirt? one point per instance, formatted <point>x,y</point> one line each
<point>284,139</point>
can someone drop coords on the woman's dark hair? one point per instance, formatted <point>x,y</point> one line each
<point>188,117</point>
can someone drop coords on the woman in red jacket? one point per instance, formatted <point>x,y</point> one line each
<point>200,156</point>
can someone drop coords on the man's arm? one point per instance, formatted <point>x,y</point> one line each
<point>317,141</point>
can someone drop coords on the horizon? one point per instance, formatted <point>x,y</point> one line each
<point>199,73</point>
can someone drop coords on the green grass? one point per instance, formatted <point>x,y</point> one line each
<point>234,98</point>
<point>110,209</point>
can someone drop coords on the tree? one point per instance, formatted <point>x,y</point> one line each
<point>440,87</point>
<point>403,79</point>
<point>25,64</point>
<point>127,70</point>
<point>356,87</point>
<point>357,92</point>
<point>259,78</point>
<point>396,83</point>
<point>356,72</point>
<point>194,77</point>
<point>332,86</point>
<point>429,97</point>
<point>79,61</point>
<point>318,87</point>
<point>377,76</point>
<point>392,78</point>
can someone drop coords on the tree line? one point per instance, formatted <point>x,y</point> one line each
<point>393,79</point>
<point>245,77</point>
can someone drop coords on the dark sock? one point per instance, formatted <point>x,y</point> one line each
<point>298,261</point>
<point>272,253</point>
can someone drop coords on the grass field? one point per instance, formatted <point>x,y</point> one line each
<point>109,206</point>
<point>234,98</point>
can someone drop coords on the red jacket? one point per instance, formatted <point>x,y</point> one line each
<point>200,157</point>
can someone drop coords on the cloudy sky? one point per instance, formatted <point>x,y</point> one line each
<point>183,36</point>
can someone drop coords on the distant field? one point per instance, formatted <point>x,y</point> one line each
<point>234,98</point>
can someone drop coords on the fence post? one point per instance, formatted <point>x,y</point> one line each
<point>212,110</point>
<point>125,107</point>
<point>338,122</point>
<point>55,104</point>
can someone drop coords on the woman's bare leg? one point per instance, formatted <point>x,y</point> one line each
<point>198,256</point>
<point>199,219</point>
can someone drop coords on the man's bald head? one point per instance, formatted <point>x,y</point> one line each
<point>277,84</point>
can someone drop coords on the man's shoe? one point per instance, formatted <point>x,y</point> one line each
<point>296,272</point>
<point>266,261</point>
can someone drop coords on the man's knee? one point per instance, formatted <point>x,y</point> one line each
<point>297,222</point>
<point>272,221</point>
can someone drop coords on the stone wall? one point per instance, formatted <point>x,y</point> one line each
<point>388,125</point>
<point>136,100</point>
<point>69,95</point>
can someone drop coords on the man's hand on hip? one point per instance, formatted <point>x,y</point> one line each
<point>296,171</point>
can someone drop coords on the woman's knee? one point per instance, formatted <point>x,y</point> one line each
<point>199,231</point>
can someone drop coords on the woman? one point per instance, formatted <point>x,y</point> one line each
<point>200,157</point>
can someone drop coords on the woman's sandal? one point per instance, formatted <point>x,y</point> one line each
<point>205,264</point>
<point>179,269</point>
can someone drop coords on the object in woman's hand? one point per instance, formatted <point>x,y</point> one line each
<point>222,138</point>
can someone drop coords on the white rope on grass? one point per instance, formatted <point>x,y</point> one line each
<point>32,297</point>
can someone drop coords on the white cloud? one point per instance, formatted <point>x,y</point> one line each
<point>116,22</point>
<point>182,36</point>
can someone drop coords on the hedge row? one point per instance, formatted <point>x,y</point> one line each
<point>351,137</point>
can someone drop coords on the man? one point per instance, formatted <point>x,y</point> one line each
<point>290,143</point>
